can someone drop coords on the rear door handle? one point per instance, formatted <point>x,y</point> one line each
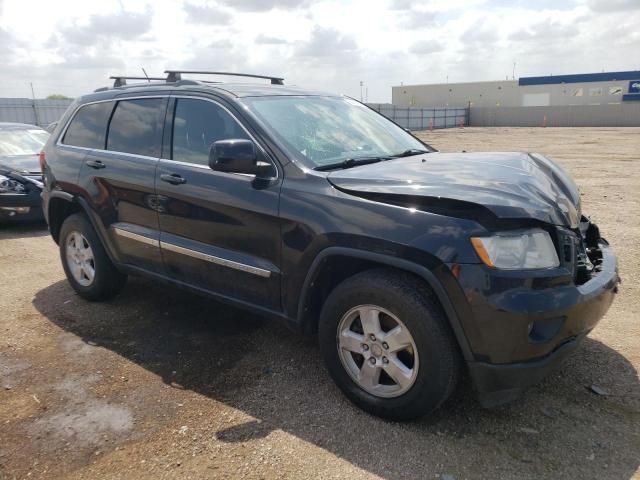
<point>97,164</point>
<point>172,178</point>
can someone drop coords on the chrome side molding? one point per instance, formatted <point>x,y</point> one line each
<point>243,267</point>
<point>217,260</point>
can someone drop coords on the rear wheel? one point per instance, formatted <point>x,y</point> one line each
<point>387,345</point>
<point>85,261</point>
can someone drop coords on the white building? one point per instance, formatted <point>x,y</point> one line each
<point>560,90</point>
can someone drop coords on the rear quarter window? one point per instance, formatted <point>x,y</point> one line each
<point>136,127</point>
<point>89,126</point>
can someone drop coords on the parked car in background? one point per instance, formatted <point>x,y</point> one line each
<point>20,174</point>
<point>413,267</point>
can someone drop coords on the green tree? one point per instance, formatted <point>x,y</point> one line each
<point>57,96</point>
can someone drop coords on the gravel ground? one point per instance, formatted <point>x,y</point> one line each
<point>164,384</point>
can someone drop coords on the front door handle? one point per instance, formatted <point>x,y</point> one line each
<point>97,164</point>
<point>172,178</point>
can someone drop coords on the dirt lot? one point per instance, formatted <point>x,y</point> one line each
<point>163,384</point>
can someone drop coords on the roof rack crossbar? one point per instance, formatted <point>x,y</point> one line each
<point>175,75</point>
<point>121,80</point>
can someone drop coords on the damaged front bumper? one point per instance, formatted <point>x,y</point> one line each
<point>525,324</point>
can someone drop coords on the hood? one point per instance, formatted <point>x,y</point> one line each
<point>509,185</point>
<point>23,164</point>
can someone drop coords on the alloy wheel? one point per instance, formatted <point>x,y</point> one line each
<point>80,260</point>
<point>377,351</point>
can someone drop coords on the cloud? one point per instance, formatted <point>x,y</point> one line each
<point>480,33</point>
<point>605,6</point>
<point>268,40</point>
<point>8,43</point>
<point>401,4</point>
<point>93,61</point>
<point>417,19</point>
<point>208,15</point>
<point>224,44</point>
<point>264,5</point>
<point>5,38</point>
<point>425,47</point>
<point>550,37</point>
<point>121,26</point>
<point>224,54</point>
<point>545,31</point>
<point>327,43</point>
<point>526,4</point>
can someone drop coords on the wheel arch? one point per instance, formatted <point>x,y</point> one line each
<point>62,204</point>
<point>353,261</point>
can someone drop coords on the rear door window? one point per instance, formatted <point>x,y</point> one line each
<point>89,126</point>
<point>196,125</point>
<point>136,127</point>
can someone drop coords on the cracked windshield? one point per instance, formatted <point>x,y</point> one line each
<point>327,130</point>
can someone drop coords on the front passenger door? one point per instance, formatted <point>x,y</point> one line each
<point>220,231</point>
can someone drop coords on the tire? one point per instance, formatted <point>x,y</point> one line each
<point>106,281</point>
<point>435,365</point>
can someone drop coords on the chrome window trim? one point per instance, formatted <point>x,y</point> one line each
<point>135,155</point>
<point>243,267</point>
<point>136,236</point>
<point>195,97</point>
<point>206,167</point>
<point>187,164</point>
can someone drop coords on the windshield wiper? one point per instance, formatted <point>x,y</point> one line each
<point>410,152</point>
<point>354,162</point>
<point>350,162</point>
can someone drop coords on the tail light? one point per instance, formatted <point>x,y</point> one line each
<point>43,162</point>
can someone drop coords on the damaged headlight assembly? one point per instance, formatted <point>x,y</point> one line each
<point>517,250</point>
<point>9,185</point>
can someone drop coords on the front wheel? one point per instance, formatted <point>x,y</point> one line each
<point>387,345</point>
<point>88,268</point>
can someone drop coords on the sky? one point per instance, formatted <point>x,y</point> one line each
<point>72,47</point>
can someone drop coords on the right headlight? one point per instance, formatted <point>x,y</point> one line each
<point>9,185</point>
<point>517,250</point>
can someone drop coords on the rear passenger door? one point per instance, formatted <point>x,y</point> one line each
<point>220,231</point>
<point>86,131</point>
<point>118,180</point>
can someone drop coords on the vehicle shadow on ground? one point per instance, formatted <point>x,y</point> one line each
<point>11,230</point>
<point>276,377</point>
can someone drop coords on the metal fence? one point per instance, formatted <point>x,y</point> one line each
<point>40,112</point>
<point>424,118</point>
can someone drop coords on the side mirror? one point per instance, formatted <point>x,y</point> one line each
<point>233,156</point>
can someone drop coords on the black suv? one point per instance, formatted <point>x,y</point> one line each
<point>411,266</point>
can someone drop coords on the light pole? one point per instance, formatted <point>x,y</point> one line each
<point>361,85</point>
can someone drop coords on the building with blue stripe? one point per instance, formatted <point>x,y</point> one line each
<point>605,88</point>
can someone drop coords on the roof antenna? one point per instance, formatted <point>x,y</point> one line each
<point>145,74</point>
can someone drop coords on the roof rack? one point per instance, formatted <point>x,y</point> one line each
<point>175,75</point>
<point>121,80</point>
